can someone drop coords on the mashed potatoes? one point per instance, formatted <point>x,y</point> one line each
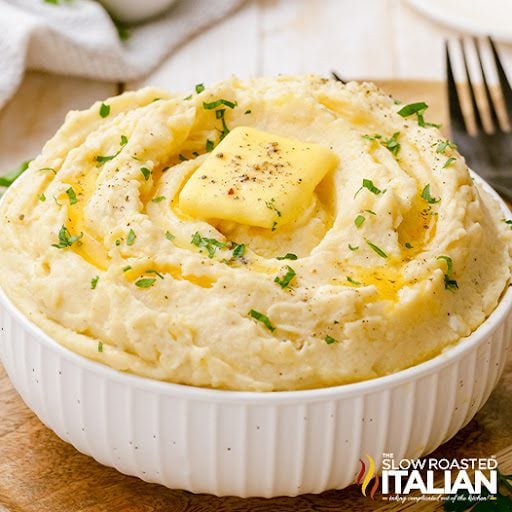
<point>372,255</point>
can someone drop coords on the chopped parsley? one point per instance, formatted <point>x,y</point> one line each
<point>283,282</point>
<point>353,247</point>
<point>145,172</point>
<point>71,195</point>
<point>209,145</point>
<point>262,318</point>
<point>214,104</point>
<point>210,244</point>
<point>449,162</point>
<point>378,250</point>
<point>391,144</point>
<point>130,239</point>
<point>408,245</point>
<point>509,222</point>
<point>146,282</point>
<point>369,185</point>
<point>219,114</point>
<point>425,194</point>
<point>444,145</point>
<point>100,346</point>
<point>449,283</point>
<point>287,256</point>
<point>271,205</point>
<point>151,271</point>
<point>418,109</point>
<point>66,239</point>
<point>249,111</point>
<point>42,197</point>
<point>128,267</point>
<point>8,179</point>
<point>238,250</point>
<point>353,281</point>
<point>169,235</point>
<point>359,220</point>
<point>103,159</point>
<point>104,110</point>
<point>199,88</point>
<point>158,199</point>
<point>330,340</point>
<point>94,282</point>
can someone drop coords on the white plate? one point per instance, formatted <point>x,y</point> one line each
<point>479,17</point>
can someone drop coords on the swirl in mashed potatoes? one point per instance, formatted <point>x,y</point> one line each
<point>270,234</point>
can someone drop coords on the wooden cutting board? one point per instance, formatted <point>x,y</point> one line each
<point>41,473</point>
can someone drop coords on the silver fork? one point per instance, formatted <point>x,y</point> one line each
<point>488,154</point>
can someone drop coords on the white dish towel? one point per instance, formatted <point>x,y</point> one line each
<point>78,37</point>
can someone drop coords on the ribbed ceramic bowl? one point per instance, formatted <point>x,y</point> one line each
<point>247,443</point>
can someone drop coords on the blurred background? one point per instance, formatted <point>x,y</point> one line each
<point>203,41</point>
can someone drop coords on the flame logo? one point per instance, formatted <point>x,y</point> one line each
<point>368,478</point>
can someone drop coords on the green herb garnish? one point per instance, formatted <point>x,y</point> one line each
<point>169,235</point>
<point>449,162</point>
<point>199,88</point>
<point>103,159</point>
<point>128,267</point>
<point>214,104</point>
<point>353,281</point>
<point>238,250</point>
<point>100,346</point>
<point>392,143</point>
<point>408,245</point>
<point>353,247</point>
<point>42,197</point>
<point>330,340</point>
<point>369,185</point>
<point>130,239</point>
<point>209,145</point>
<point>145,282</point>
<point>66,239</point>
<point>145,172</point>
<point>378,250</point>
<point>249,111</point>
<point>418,109</point>
<point>158,199</point>
<point>104,110</point>
<point>287,256</point>
<point>151,271</point>
<point>9,178</point>
<point>425,194</point>
<point>444,145</point>
<point>182,158</point>
<point>71,195</point>
<point>262,318</point>
<point>284,281</point>
<point>359,220</point>
<point>94,282</point>
<point>210,244</point>
<point>449,283</point>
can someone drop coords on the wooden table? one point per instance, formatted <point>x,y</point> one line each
<point>39,472</point>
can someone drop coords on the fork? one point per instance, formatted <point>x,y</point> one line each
<point>488,154</point>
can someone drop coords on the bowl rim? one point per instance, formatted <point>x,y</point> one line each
<point>450,354</point>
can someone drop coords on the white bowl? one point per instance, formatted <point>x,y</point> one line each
<point>135,11</point>
<point>248,443</point>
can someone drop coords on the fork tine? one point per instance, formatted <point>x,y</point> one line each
<point>504,83</point>
<point>490,102</point>
<point>474,104</point>
<point>456,115</point>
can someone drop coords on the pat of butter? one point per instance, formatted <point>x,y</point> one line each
<point>256,178</point>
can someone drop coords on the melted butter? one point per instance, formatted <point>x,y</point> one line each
<point>347,111</point>
<point>174,271</point>
<point>387,280</point>
<point>90,248</point>
<point>417,228</point>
